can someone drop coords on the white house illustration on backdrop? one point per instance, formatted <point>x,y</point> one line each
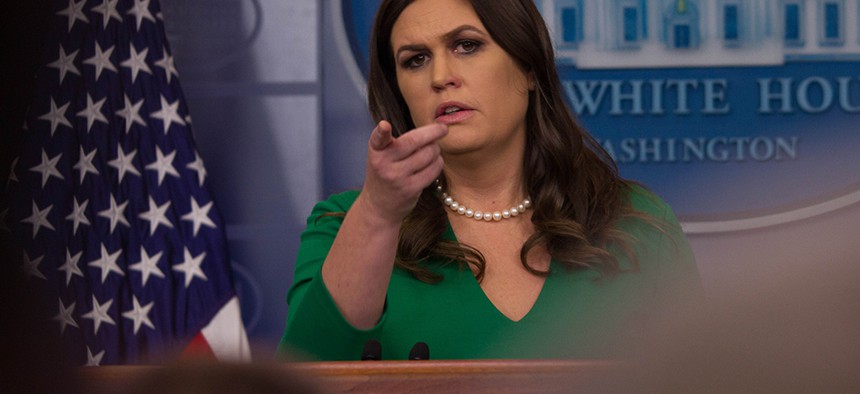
<point>593,34</point>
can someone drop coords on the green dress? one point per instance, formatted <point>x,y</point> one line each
<point>576,315</point>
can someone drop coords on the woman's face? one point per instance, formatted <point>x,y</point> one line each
<point>450,71</point>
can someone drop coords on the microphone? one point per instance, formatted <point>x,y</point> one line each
<point>420,351</point>
<point>372,350</point>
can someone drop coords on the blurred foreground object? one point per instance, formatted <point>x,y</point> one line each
<point>787,330</point>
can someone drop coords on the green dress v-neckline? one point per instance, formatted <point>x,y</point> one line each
<point>487,303</point>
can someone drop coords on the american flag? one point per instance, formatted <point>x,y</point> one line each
<point>109,202</point>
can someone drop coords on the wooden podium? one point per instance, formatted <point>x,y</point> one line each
<point>467,376</point>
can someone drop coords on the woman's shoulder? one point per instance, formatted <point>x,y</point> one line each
<point>648,213</point>
<point>645,201</point>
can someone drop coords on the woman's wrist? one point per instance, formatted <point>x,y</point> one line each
<point>374,216</point>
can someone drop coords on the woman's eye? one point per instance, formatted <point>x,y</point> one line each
<point>415,61</point>
<point>467,46</point>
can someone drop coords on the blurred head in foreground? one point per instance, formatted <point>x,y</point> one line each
<point>794,332</point>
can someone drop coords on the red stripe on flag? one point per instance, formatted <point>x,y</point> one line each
<point>198,348</point>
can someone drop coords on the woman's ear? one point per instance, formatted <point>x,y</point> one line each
<point>531,78</point>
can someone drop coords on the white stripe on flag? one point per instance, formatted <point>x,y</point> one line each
<point>226,334</point>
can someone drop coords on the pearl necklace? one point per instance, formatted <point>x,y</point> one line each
<point>478,215</point>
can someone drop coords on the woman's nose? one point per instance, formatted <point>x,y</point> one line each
<point>444,76</point>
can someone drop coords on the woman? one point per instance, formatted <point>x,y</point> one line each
<point>488,221</point>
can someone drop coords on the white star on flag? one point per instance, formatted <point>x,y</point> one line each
<point>31,267</point>
<point>199,216</point>
<point>116,214</point>
<point>131,113</point>
<point>156,215</point>
<point>93,112</point>
<point>108,11</point>
<point>78,215</point>
<point>65,64</point>
<point>64,316</point>
<point>57,116</point>
<point>136,62</point>
<point>101,60</point>
<point>163,165</point>
<point>123,162</point>
<point>70,267</point>
<point>167,64</point>
<point>139,314</point>
<point>191,267</point>
<point>94,361</point>
<point>39,218</point>
<point>75,12</point>
<point>140,10</point>
<point>85,164</point>
<point>12,176</point>
<point>48,167</point>
<point>107,263</point>
<point>197,165</point>
<point>169,114</point>
<point>99,314</point>
<point>148,265</point>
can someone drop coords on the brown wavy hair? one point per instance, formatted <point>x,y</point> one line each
<point>576,190</point>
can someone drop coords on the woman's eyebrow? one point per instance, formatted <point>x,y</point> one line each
<point>409,47</point>
<point>456,32</point>
<point>449,36</point>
